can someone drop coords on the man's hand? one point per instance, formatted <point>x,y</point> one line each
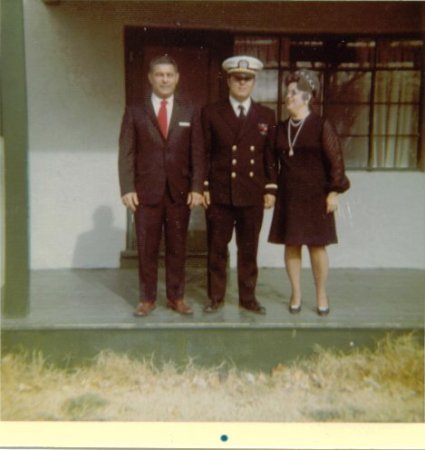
<point>130,200</point>
<point>207,199</point>
<point>269,201</point>
<point>195,199</point>
<point>331,202</point>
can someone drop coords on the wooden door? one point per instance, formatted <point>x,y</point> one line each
<point>199,55</point>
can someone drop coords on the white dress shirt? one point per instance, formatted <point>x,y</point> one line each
<point>235,105</point>
<point>156,103</point>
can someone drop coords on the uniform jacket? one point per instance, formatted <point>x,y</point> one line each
<point>148,162</point>
<point>241,165</point>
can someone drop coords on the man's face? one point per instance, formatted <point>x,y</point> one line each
<point>240,86</point>
<point>163,78</point>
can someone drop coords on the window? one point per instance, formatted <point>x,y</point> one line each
<point>267,83</point>
<point>370,90</point>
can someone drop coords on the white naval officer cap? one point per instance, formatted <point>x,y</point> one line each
<point>242,64</point>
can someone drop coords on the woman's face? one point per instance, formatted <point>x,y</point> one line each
<point>295,99</point>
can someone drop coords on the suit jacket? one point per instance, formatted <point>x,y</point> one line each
<point>148,162</point>
<point>241,163</point>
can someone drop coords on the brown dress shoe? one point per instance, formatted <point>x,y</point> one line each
<point>213,306</point>
<point>144,309</point>
<point>180,307</point>
<point>253,306</point>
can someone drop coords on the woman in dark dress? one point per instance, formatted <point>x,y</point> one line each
<point>312,174</point>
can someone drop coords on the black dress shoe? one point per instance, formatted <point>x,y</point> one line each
<point>323,311</point>
<point>213,306</point>
<point>253,306</point>
<point>295,309</point>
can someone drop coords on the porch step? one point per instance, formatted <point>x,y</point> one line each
<point>244,347</point>
<point>128,259</point>
<point>75,314</point>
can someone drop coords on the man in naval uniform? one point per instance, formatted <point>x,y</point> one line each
<point>240,183</point>
<point>161,169</point>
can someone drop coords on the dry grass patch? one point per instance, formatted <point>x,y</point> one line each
<point>383,385</point>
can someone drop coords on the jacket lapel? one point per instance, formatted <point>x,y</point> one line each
<point>229,118</point>
<point>176,113</point>
<point>150,113</point>
<point>250,122</point>
<point>175,117</point>
<point>232,123</point>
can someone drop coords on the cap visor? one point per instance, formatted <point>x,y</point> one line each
<point>238,70</point>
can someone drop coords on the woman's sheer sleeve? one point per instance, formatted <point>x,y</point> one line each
<point>338,181</point>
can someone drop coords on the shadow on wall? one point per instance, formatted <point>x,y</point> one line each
<point>101,246</point>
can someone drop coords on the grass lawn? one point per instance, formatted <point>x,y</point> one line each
<point>383,385</point>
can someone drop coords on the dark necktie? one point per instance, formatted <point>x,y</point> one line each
<point>241,113</point>
<point>162,118</point>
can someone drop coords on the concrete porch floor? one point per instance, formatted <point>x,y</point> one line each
<point>74,314</point>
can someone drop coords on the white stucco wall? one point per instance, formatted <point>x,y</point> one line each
<point>75,70</point>
<point>380,222</point>
<point>75,76</point>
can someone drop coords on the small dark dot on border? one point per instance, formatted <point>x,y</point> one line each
<point>224,437</point>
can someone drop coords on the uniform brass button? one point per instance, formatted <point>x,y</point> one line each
<point>252,148</point>
<point>252,161</point>
<point>234,161</point>
<point>233,174</point>
<point>234,147</point>
<point>251,174</point>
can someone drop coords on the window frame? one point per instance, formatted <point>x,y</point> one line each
<point>373,68</point>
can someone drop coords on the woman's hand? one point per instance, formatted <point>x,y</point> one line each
<point>331,202</point>
<point>207,199</point>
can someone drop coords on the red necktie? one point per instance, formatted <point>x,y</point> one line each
<point>162,118</point>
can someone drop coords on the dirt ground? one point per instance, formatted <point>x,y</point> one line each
<point>383,385</point>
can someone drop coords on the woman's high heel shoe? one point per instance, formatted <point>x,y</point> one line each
<point>294,309</point>
<point>323,311</point>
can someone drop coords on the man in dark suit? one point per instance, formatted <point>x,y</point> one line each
<point>161,171</point>
<point>241,181</point>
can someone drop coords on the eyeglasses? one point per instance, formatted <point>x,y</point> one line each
<point>242,78</point>
<point>292,93</point>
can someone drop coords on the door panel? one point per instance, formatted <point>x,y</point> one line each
<point>198,55</point>
<point>193,65</point>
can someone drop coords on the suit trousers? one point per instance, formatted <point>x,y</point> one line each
<point>246,221</point>
<point>150,220</point>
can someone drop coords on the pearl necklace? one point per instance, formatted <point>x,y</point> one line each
<point>298,125</point>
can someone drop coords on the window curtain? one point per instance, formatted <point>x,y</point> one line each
<point>265,49</point>
<point>396,94</point>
